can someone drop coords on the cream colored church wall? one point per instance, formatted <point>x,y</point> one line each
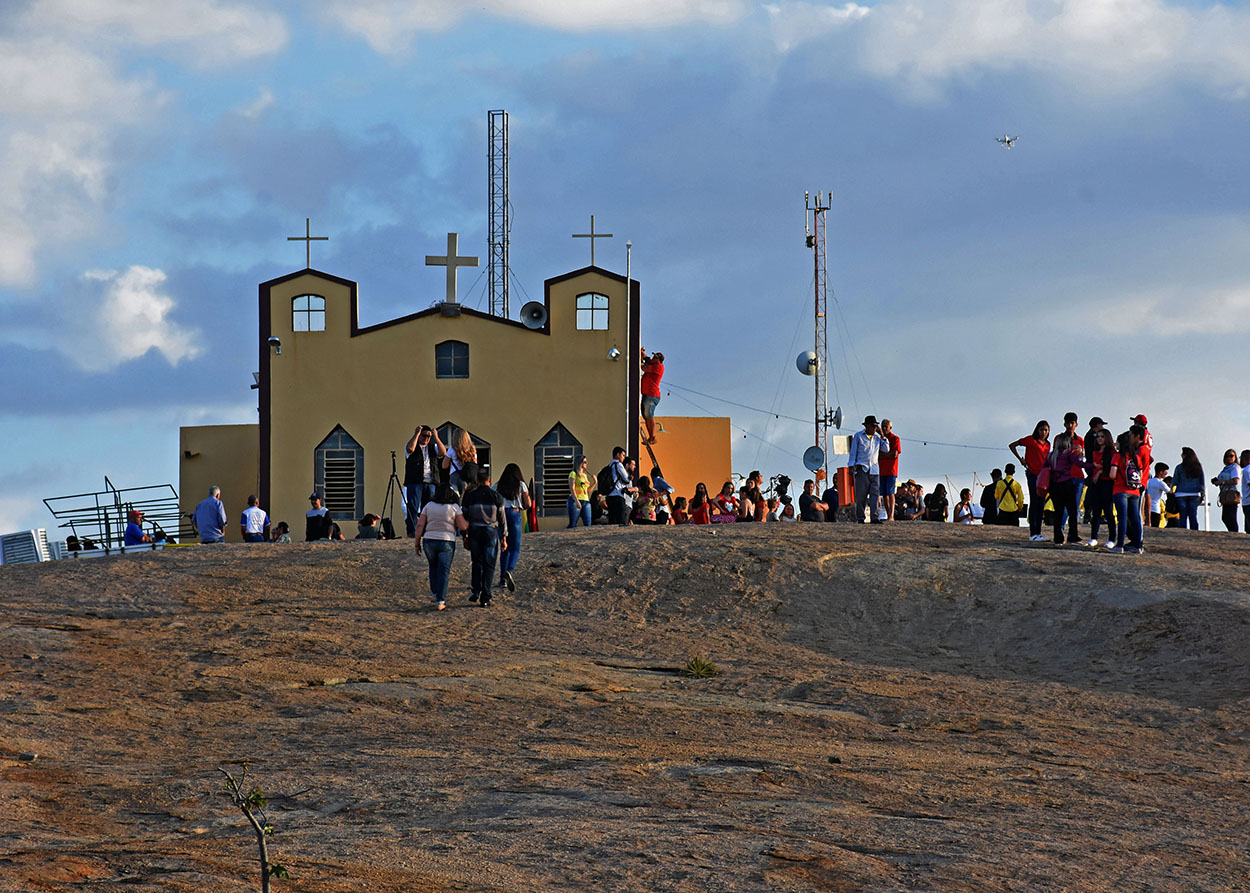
<point>381,383</point>
<point>225,456</point>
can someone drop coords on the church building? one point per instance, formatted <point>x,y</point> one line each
<point>338,401</point>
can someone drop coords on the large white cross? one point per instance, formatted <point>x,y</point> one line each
<point>452,262</point>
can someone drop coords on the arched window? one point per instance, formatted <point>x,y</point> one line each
<point>308,314</point>
<point>592,311</point>
<point>451,359</point>
<point>555,456</point>
<point>339,474</point>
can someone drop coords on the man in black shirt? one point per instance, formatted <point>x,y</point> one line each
<point>487,535</point>
<point>423,470</point>
<point>811,508</point>
<point>318,524</point>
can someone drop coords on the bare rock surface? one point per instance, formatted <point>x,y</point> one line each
<point>912,706</point>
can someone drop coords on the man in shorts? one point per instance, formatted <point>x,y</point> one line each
<point>887,463</point>
<point>652,372</point>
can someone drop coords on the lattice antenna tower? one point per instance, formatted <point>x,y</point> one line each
<point>816,240</point>
<point>499,212</point>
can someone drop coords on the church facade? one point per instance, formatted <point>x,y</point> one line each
<point>335,398</point>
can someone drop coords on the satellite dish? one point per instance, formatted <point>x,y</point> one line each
<point>533,315</point>
<point>807,362</point>
<point>837,418</point>
<point>813,458</point>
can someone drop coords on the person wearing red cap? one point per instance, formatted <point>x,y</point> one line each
<point>134,530</point>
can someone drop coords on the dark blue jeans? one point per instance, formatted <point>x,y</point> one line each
<point>1035,505</point>
<point>1128,512</point>
<point>415,498</point>
<point>484,550</point>
<point>439,554</point>
<point>515,519</point>
<point>1188,504</point>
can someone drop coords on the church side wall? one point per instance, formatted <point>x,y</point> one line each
<point>220,455</point>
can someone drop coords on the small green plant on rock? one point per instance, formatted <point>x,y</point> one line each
<point>252,803</point>
<point>699,667</point>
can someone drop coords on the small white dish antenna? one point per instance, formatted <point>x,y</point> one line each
<point>813,458</point>
<point>807,362</point>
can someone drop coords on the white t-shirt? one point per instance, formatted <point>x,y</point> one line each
<point>440,521</point>
<point>1156,490</point>
<point>255,519</point>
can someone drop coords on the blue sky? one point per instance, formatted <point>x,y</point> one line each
<point>157,156</point>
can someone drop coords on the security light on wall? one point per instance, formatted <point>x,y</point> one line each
<point>614,354</point>
<point>276,344</point>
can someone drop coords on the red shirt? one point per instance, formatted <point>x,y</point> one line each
<point>1078,443</point>
<point>1120,467</point>
<point>889,464</point>
<point>1035,453</point>
<point>651,374</point>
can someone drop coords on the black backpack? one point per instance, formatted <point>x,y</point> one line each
<point>605,480</point>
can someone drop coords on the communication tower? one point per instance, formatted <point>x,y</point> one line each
<point>815,225</point>
<point>499,210</point>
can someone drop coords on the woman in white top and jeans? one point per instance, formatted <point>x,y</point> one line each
<point>1229,480</point>
<point>438,526</point>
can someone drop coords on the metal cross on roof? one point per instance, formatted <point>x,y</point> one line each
<point>592,235</point>
<point>452,262</point>
<point>308,238</point>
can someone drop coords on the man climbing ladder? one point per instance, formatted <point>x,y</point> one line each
<point>652,372</point>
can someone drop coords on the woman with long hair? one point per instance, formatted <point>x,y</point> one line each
<point>580,485</point>
<point>1188,482</point>
<point>936,504</point>
<point>1036,449</point>
<point>437,527</point>
<point>726,503</point>
<point>644,502</point>
<point>1129,462</point>
<point>700,505</point>
<point>1229,482</point>
<point>1101,480</point>
<point>516,501</point>
<point>461,461</point>
<point>1062,460</point>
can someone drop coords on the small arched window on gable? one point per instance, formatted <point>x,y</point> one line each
<point>592,311</point>
<point>308,314</point>
<point>451,359</point>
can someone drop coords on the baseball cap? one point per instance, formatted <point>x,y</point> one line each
<point>314,495</point>
<point>1139,419</point>
<point>1096,420</point>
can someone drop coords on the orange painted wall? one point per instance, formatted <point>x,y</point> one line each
<point>694,449</point>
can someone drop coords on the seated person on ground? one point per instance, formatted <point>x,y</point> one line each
<point>368,527</point>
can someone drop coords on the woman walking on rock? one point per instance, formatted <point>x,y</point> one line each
<point>438,525</point>
<point>516,501</point>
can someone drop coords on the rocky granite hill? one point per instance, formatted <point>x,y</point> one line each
<point>915,706</point>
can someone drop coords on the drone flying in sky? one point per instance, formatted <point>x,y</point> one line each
<point>1007,141</point>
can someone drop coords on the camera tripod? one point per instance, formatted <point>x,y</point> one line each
<point>393,486</point>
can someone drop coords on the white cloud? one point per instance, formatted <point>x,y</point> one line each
<point>207,31</point>
<point>795,23</point>
<point>1102,45</point>
<point>132,318</point>
<point>390,25</point>
<point>61,105</point>
<point>1175,313</point>
<point>258,106</point>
